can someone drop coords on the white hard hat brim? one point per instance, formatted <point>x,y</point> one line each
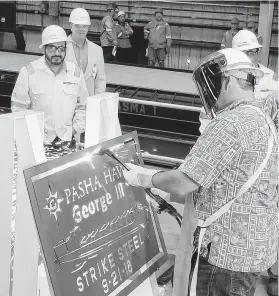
<point>248,47</point>
<point>54,41</point>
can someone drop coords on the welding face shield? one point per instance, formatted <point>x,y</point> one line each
<point>213,70</point>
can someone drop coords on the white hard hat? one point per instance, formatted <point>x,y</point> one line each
<point>237,60</point>
<point>121,13</point>
<point>52,34</point>
<point>80,16</point>
<point>245,40</point>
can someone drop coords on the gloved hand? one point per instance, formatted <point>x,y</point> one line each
<point>115,42</point>
<point>139,176</point>
<point>161,193</point>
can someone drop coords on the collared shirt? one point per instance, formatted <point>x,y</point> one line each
<point>229,151</point>
<point>267,84</point>
<point>227,39</point>
<point>62,97</point>
<point>81,53</point>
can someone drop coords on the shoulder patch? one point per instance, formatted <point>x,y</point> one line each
<point>29,68</point>
<point>275,76</point>
<point>77,71</point>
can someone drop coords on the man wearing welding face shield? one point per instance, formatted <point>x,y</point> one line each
<point>232,174</point>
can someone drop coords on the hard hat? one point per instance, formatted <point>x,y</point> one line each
<point>120,13</point>
<point>210,73</point>
<point>80,16</point>
<point>112,6</point>
<point>245,40</point>
<point>159,10</point>
<point>235,20</point>
<point>52,34</point>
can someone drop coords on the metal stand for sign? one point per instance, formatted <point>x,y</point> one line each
<point>25,129</point>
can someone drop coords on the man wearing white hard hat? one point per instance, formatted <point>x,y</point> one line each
<point>86,54</point>
<point>231,174</point>
<point>123,32</point>
<point>247,42</point>
<point>54,86</point>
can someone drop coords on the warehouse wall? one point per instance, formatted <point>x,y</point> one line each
<point>197,27</point>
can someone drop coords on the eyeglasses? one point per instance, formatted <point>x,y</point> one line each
<point>250,28</point>
<point>252,53</point>
<point>78,26</point>
<point>54,48</point>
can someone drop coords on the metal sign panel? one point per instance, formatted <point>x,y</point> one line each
<point>99,235</point>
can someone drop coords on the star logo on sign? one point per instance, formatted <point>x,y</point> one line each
<point>53,204</point>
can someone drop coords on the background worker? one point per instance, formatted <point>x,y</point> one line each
<point>241,142</point>
<point>108,37</point>
<point>123,32</point>
<point>158,33</point>
<point>54,86</point>
<point>228,35</point>
<point>247,42</point>
<point>86,54</point>
<point>251,26</point>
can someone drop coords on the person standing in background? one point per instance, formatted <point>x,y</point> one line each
<point>228,36</point>
<point>108,37</point>
<point>251,26</point>
<point>86,54</point>
<point>123,32</point>
<point>158,33</point>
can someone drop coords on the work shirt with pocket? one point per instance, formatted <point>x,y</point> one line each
<point>159,34</point>
<point>90,59</point>
<point>61,97</point>
<point>107,26</point>
<point>123,34</point>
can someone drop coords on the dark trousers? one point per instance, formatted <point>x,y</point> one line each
<point>107,50</point>
<point>123,55</point>
<point>216,281</point>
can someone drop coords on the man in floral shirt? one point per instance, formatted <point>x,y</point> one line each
<point>238,144</point>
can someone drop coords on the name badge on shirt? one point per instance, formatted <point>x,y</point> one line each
<point>69,83</point>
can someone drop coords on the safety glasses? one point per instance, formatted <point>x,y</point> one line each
<point>53,48</point>
<point>252,53</point>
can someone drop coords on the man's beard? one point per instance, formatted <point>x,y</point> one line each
<point>55,60</point>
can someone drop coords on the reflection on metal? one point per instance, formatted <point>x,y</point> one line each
<point>148,156</point>
<point>164,105</point>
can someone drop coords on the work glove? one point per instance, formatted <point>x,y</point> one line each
<point>139,176</point>
<point>161,193</point>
